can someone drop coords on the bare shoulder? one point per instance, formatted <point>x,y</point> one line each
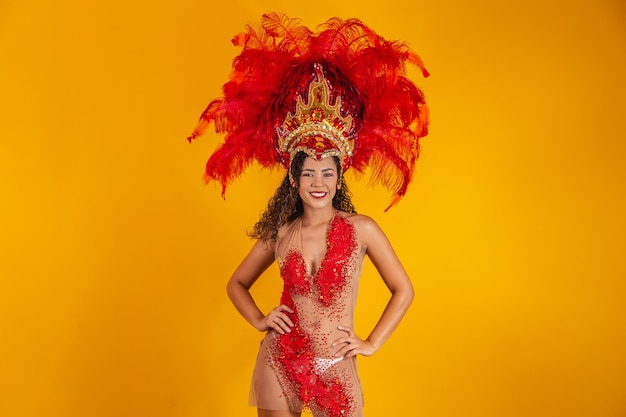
<point>361,220</point>
<point>366,227</point>
<point>264,246</point>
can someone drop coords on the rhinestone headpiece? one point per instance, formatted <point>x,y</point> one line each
<point>317,127</point>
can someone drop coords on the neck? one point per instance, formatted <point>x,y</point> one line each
<point>318,216</point>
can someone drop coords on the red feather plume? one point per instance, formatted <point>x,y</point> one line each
<point>365,70</point>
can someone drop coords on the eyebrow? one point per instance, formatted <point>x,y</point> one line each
<point>324,170</point>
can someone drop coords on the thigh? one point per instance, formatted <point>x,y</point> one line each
<point>277,413</point>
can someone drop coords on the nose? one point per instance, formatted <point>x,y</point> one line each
<point>317,180</point>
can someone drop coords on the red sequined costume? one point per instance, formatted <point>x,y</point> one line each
<point>297,370</point>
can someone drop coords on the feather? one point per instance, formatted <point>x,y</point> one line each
<point>276,66</point>
<point>294,36</point>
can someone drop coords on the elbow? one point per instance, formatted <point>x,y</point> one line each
<point>234,287</point>
<point>404,294</point>
<point>410,295</point>
<point>231,288</point>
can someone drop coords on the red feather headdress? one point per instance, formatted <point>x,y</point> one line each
<point>341,91</point>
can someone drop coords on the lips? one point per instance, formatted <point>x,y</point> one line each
<point>318,194</point>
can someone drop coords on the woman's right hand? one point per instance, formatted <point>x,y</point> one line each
<point>278,320</point>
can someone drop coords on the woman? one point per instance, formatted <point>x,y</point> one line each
<point>324,368</point>
<point>317,104</point>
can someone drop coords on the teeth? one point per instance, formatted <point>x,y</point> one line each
<point>318,194</point>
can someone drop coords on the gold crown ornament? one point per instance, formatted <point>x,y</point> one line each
<point>317,127</point>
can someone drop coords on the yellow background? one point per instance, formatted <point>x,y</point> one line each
<point>114,255</point>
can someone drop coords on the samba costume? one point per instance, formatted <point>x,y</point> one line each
<point>340,92</point>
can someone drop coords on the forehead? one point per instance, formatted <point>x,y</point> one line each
<point>318,165</point>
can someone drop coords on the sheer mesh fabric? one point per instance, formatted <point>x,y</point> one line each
<point>298,370</point>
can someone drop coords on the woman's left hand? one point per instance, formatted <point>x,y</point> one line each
<point>352,345</point>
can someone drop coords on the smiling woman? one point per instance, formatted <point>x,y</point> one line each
<point>333,100</point>
<point>307,357</point>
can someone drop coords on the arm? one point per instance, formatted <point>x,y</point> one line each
<point>396,279</point>
<point>260,257</point>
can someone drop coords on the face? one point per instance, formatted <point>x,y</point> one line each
<point>318,182</point>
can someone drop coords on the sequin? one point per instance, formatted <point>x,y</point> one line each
<point>302,359</point>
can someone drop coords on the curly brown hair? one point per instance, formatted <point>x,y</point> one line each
<point>286,204</point>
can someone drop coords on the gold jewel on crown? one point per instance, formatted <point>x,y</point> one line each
<point>317,127</point>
